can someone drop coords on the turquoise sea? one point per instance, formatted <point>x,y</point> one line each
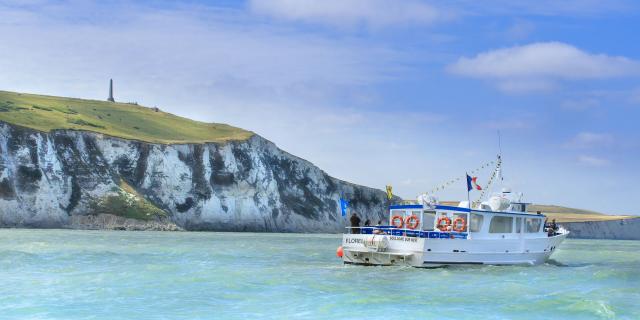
<point>65,274</point>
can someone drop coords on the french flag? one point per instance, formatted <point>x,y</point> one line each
<point>472,183</point>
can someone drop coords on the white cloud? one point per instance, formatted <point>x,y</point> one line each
<point>593,161</point>
<point>372,13</point>
<point>581,104</point>
<point>635,96</point>
<point>541,66</point>
<point>589,140</point>
<point>547,7</point>
<point>520,29</point>
<point>385,13</point>
<point>199,50</point>
<point>519,86</point>
<point>509,124</point>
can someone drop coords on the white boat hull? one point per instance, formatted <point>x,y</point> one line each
<point>427,252</point>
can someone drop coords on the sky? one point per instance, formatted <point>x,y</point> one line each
<point>408,93</point>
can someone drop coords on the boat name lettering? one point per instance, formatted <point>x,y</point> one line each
<point>353,240</point>
<point>406,239</point>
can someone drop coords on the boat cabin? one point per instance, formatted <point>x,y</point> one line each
<point>451,222</point>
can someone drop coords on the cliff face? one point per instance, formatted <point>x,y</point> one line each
<point>46,179</point>
<point>626,229</point>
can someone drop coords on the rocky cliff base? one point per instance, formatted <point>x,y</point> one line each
<point>113,222</point>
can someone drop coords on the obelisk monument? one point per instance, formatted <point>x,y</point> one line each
<point>110,91</point>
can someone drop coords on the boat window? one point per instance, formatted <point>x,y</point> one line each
<point>428,220</point>
<point>397,213</point>
<point>533,225</point>
<point>518,225</point>
<point>500,224</point>
<point>476,222</point>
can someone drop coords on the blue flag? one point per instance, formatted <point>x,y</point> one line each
<point>469,183</point>
<point>344,204</point>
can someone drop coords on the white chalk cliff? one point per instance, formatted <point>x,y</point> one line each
<point>46,179</point>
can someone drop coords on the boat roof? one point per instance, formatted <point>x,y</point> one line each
<point>451,208</point>
<point>462,209</point>
<point>406,206</point>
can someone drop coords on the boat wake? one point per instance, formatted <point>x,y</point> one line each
<point>555,263</point>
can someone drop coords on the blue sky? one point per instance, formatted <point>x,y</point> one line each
<point>409,93</point>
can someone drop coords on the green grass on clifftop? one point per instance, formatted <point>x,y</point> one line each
<point>565,214</point>
<point>124,120</point>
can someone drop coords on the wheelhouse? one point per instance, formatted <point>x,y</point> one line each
<point>451,222</point>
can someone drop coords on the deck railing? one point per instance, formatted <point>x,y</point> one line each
<point>393,231</point>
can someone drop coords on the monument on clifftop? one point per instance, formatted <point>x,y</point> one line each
<point>110,91</point>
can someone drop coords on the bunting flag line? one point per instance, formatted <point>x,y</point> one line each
<point>493,176</point>
<point>454,181</point>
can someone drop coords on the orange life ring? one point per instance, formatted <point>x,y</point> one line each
<point>400,223</point>
<point>447,224</point>
<point>459,225</point>
<point>412,222</point>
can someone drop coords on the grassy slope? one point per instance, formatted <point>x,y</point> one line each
<point>559,209</point>
<point>564,214</point>
<point>578,217</point>
<point>129,121</point>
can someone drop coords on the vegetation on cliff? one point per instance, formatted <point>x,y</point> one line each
<point>127,202</point>
<point>123,120</point>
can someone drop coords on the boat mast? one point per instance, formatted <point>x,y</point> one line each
<point>466,185</point>
<point>497,171</point>
<point>499,144</point>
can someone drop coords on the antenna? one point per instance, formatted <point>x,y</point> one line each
<point>499,144</point>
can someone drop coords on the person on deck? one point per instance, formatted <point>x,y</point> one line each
<point>355,223</point>
<point>377,230</point>
<point>367,223</point>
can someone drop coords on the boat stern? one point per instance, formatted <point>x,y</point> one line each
<point>381,249</point>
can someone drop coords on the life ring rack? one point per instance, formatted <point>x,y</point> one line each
<point>446,225</point>
<point>412,222</point>
<point>459,225</point>
<point>399,220</point>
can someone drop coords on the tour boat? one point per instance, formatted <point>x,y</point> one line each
<point>499,231</point>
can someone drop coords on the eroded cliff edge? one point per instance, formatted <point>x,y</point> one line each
<point>249,185</point>
<point>624,229</point>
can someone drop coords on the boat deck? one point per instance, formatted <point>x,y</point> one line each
<point>393,231</point>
